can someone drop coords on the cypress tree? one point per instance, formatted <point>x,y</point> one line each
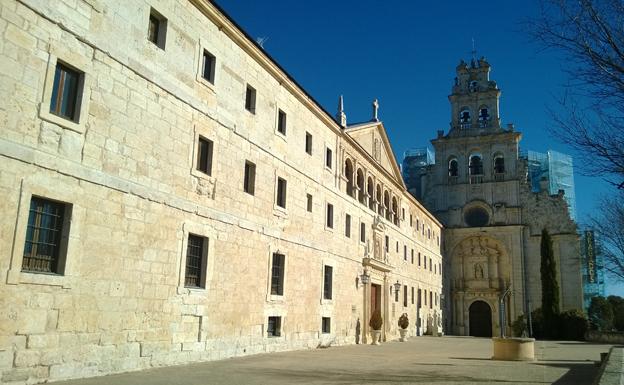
<point>550,286</point>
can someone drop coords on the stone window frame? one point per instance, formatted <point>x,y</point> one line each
<point>204,46</point>
<point>69,56</point>
<point>276,298</point>
<point>74,217</point>
<point>323,324</point>
<point>206,132</point>
<point>362,233</point>
<point>327,263</point>
<point>277,209</point>
<point>278,132</point>
<point>348,226</point>
<point>330,224</point>
<point>161,36</point>
<point>328,151</point>
<point>280,329</point>
<point>210,235</point>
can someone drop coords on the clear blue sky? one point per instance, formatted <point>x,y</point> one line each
<point>405,55</point>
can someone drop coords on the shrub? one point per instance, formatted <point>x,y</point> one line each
<point>376,321</point>
<point>572,325</point>
<point>519,326</point>
<point>403,321</point>
<point>537,323</point>
<point>600,314</point>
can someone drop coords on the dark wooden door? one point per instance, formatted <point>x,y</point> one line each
<point>375,297</point>
<point>480,319</point>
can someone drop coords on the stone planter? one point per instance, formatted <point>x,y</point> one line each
<point>513,349</point>
<point>376,335</point>
<point>403,333</point>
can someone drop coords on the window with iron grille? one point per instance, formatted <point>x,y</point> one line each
<point>277,274</point>
<point>208,66</point>
<point>281,193</point>
<point>274,327</point>
<point>43,248</point>
<point>249,180</point>
<point>250,99</point>
<point>204,155</point>
<point>195,261</point>
<point>327,282</point>
<point>281,122</point>
<point>308,143</point>
<point>348,226</point>
<point>65,92</point>
<point>326,325</point>
<point>157,29</point>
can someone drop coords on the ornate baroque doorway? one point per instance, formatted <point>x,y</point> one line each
<point>480,319</point>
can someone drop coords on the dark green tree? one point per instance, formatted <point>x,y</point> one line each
<point>600,314</point>
<point>617,305</point>
<point>550,286</point>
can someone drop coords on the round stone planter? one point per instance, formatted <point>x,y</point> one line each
<point>513,349</point>
<point>376,335</point>
<point>403,333</point>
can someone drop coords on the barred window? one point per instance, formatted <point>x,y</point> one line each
<point>43,248</point>
<point>327,282</point>
<point>326,324</point>
<point>274,327</point>
<point>195,261</point>
<point>277,274</point>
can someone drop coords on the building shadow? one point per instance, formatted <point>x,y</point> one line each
<point>578,373</point>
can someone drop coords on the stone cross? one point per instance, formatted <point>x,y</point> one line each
<point>375,110</point>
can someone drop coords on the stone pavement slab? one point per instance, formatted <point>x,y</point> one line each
<point>422,360</point>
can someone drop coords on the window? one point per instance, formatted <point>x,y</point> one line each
<point>405,252</point>
<point>396,295</point>
<point>453,169</point>
<point>348,226</point>
<point>464,118</point>
<point>249,180</point>
<point>66,92</point>
<point>476,165</point>
<point>412,256</point>
<point>404,296</point>
<point>328,158</point>
<point>440,268</point>
<point>277,274</point>
<point>387,243</point>
<point>417,224</point>
<point>195,261</point>
<point>430,263</point>
<point>484,116</point>
<point>476,217</point>
<point>281,122</point>
<point>281,193</point>
<point>157,29</point>
<point>419,296</point>
<point>435,269</point>
<point>402,214</point>
<point>250,99</point>
<point>428,233</point>
<point>425,259</point>
<point>362,232</point>
<point>397,247</point>
<point>308,143</point>
<point>274,327</point>
<point>425,296</point>
<point>208,66</point>
<point>47,231</point>
<point>330,216</point>
<point>204,155</point>
<point>499,164</point>
<point>411,221</point>
<point>412,295</point>
<point>430,300</point>
<point>327,282</point>
<point>326,324</point>
<point>309,202</point>
<point>419,259</point>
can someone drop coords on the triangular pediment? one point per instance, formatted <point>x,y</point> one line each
<point>372,138</point>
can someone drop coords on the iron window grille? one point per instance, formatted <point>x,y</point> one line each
<point>43,236</point>
<point>327,282</point>
<point>274,327</point>
<point>277,274</point>
<point>194,261</point>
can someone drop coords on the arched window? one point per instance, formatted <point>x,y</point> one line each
<point>371,193</point>
<point>395,211</point>
<point>484,116</point>
<point>499,164</point>
<point>453,167</point>
<point>464,118</point>
<point>348,170</point>
<point>380,206</point>
<point>359,180</point>
<point>474,86</point>
<point>386,203</point>
<point>475,166</point>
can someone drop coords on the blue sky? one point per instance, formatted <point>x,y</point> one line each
<point>405,55</point>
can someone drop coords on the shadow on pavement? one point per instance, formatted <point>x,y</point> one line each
<point>577,373</point>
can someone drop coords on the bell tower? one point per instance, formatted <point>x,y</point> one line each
<point>474,100</point>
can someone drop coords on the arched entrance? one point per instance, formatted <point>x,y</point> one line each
<point>480,319</point>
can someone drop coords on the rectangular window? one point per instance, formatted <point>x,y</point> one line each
<point>396,295</point>
<point>195,261</point>
<point>66,92</point>
<point>46,234</point>
<point>419,259</point>
<point>404,296</point>
<point>326,325</point>
<point>157,29</point>
<point>412,256</point>
<point>281,122</point>
<point>348,226</point>
<point>430,264</point>
<point>404,252</point>
<point>274,327</point>
<point>204,155</point>
<point>308,143</point>
<point>412,295</point>
<point>249,181</point>
<point>402,214</point>
<point>250,99</point>
<point>425,259</point>
<point>281,192</point>
<point>440,268</point>
<point>417,224</point>
<point>363,232</point>
<point>397,247</point>
<point>277,274</point>
<point>208,66</point>
<point>411,221</point>
<point>328,158</point>
<point>309,202</point>
<point>387,243</point>
<point>330,216</point>
<point>419,304</point>
<point>430,300</point>
<point>425,296</point>
<point>327,282</point>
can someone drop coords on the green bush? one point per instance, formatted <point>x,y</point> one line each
<point>403,321</point>
<point>600,314</point>
<point>572,325</point>
<point>519,326</point>
<point>376,321</point>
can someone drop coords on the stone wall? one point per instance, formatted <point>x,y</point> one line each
<point>126,168</point>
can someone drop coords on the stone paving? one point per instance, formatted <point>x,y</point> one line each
<point>422,360</point>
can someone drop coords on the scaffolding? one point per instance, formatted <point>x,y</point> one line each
<point>558,170</point>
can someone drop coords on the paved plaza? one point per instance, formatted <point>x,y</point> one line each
<point>422,360</point>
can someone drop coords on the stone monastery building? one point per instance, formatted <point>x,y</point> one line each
<point>170,194</point>
<point>480,191</point>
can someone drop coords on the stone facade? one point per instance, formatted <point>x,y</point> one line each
<point>123,172</point>
<point>478,188</point>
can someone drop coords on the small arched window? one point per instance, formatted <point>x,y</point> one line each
<point>348,170</point>
<point>484,116</point>
<point>453,167</point>
<point>369,190</point>
<point>475,166</point>
<point>359,180</point>
<point>464,118</point>
<point>499,164</point>
<point>474,86</point>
